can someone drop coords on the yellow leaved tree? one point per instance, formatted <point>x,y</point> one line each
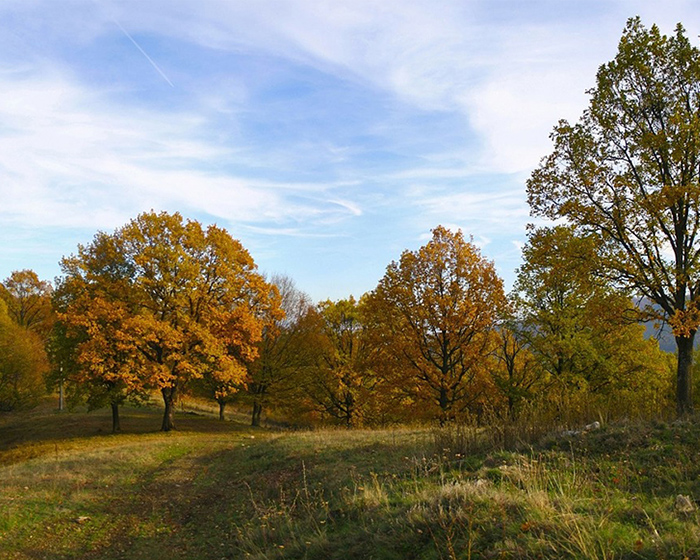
<point>22,364</point>
<point>28,301</point>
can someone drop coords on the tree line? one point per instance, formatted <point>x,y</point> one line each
<point>166,305</point>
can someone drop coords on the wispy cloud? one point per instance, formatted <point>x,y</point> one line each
<point>68,156</point>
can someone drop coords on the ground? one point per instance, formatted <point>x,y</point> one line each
<point>213,490</point>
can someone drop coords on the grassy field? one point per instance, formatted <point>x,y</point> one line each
<point>215,490</point>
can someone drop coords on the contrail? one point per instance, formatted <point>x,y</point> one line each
<point>143,52</point>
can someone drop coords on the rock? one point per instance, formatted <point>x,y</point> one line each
<point>570,433</point>
<point>684,504</point>
<point>587,428</point>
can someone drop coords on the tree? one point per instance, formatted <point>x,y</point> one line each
<point>516,375</point>
<point>91,346</point>
<point>22,364</point>
<point>28,301</point>
<point>439,305</point>
<point>342,379</point>
<point>182,303</point>
<point>288,348</point>
<point>628,171</point>
<point>580,329</point>
<point>554,295</point>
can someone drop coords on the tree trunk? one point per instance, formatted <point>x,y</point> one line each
<point>222,408</point>
<point>684,381</point>
<point>60,394</point>
<point>444,406</point>
<point>257,412</point>
<point>511,408</point>
<point>116,427</point>
<point>349,410</point>
<point>168,415</point>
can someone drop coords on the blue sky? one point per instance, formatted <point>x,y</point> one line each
<point>328,136</point>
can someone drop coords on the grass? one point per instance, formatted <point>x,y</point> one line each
<point>216,490</point>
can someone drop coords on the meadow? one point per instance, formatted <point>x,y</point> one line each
<point>222,490</point>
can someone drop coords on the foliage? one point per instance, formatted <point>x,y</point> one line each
<point>288,350</point>
<point>28,301</point>
<point>515,373</point>
<point>25,320</point>
<point>91,344</point>
<point>163,302</point>
<point>581,331</point>
<point>342,382</point>
<point>628,171</point>
<point>23,364</point>
<point>437,307</point>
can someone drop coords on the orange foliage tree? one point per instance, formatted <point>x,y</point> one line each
<point>436,308</point>
<point>168,303</point>
<point>91,345</point>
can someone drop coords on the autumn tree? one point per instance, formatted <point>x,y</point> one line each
<point>555,292</point>
<point>27,305</point>
<point>28,301</point>
<point>628,172</point>
<point>92,344</point>
<point>342,380</point>
<point>515,373</point>
<point>439,305</point>
<point>580,329</point>
<point>23,364</point>
<point>169,302</point>
<point>289,348</point>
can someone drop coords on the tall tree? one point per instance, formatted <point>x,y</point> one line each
<point>439,305</point>
<point>188,303</point>
<point>629,172</point>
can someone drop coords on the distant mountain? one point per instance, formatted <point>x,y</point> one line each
<point>662,333</point>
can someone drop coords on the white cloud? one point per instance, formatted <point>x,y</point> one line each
<point>68,157</point>
<point>497,210</point>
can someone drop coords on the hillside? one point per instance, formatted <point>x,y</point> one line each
<point>217,490</point>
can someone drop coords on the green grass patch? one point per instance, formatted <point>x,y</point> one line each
<point>215,490</point>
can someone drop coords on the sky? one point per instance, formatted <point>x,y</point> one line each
<point>328,136</point>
